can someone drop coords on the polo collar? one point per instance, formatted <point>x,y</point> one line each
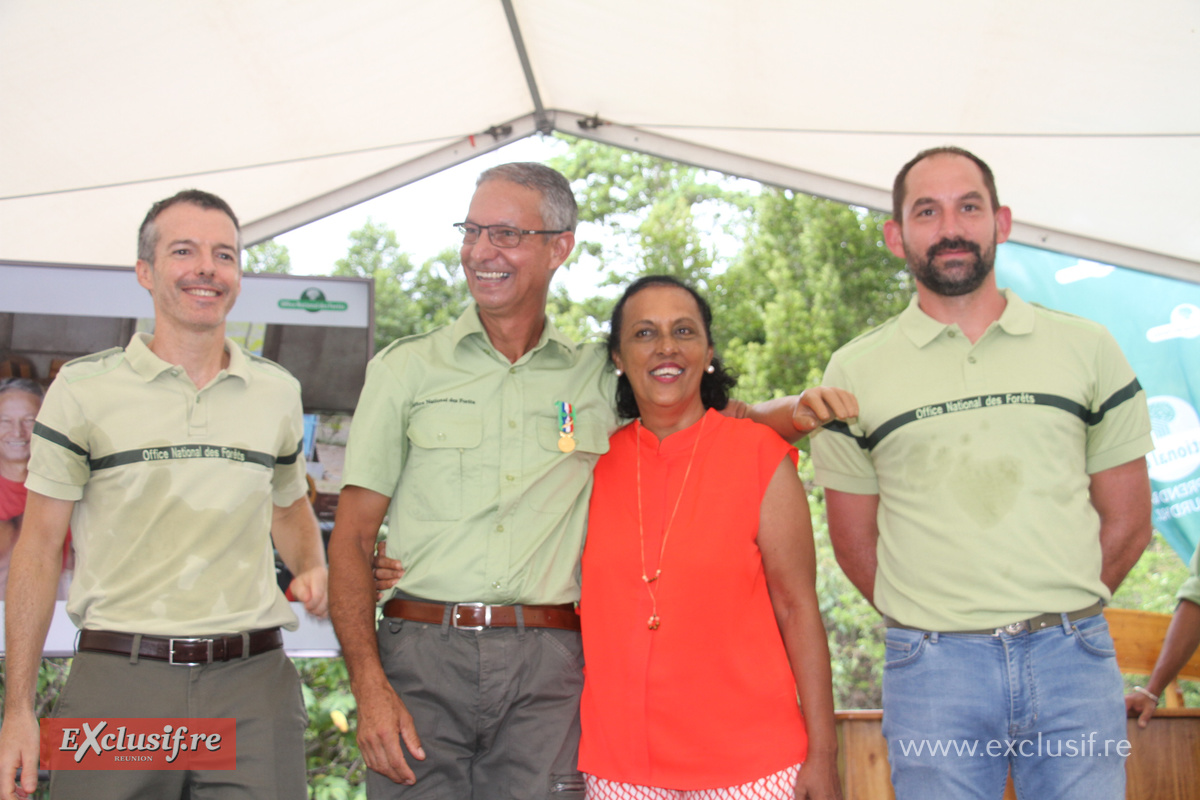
<point>469,324</point>
<point>921,329</point>
<point>149,366</point>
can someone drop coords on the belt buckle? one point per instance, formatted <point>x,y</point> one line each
<point>1013,628</point>
<point>487,616</point>
<point>171,652</point>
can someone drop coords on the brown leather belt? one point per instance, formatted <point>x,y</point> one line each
<point>477,616</point>
<point>1033,624</point>
<point>183,651</point>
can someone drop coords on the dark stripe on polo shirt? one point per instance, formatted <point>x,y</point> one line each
<point>288,460</point>
<point>53,436</point>
<point>982,401</point>
<point>182,452</point>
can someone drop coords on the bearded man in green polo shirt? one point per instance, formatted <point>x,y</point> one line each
<point>989,498</point>
<point>175,461</point>
<point>477,441</point>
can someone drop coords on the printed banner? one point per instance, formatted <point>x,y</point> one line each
<point>1156,321</point>
<point>139,743</point>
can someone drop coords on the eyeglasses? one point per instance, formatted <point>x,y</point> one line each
<point>499,235</point>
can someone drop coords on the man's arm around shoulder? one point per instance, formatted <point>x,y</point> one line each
<point>383,719</point>
<point>29,605</point>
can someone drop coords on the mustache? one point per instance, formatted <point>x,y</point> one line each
<point>954,244</point>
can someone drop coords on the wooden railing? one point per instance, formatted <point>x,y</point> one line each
<point>1163,764</point>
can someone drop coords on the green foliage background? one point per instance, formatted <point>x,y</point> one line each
<point>790,278</point>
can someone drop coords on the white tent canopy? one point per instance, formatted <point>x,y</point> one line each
<point>1088,110</point>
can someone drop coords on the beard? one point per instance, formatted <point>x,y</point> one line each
<point>948,281</point>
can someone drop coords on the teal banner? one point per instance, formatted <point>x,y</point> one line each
<point>1157,323</point>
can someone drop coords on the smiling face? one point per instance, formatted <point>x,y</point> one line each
<point>17,412</point>
<point>664,350</point>
<point>196,274</point>
<point>949,230</point>
<point>512,282</point>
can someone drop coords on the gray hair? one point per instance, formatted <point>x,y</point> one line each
<point>559,209</point>
<point>26,385</point>
<point>148,233</point>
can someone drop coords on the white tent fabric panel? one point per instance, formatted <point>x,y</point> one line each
<point>293,109</point>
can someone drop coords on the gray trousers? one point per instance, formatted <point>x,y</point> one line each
<point>262,692</point>
<point>497,711</point>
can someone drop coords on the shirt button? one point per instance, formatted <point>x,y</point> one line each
<point>495,584</point>
<point>512,423</point>
<point>499,529</point>
<point>441,437</point>
<point>971,359</point>
<point>511,477</point>
<point>951,334</point>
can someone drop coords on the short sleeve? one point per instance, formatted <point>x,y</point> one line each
<point>290,480</point>
<point>1121,430</point>
<point>1190,590</point>
<point>58,463</point>
<point>839,462</point>
<point>378,444</point>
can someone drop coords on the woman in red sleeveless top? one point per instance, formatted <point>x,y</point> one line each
<point>699,608</point>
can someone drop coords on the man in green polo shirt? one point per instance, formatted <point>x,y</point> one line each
<point>477,441</point>
<point>1181,640</point>
<point>988,500</point>
<point>175,460</point>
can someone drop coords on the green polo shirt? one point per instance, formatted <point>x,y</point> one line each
<point>981,455</point>
<point>173,489</point>
<point>1190,590</point>
<point>485,506</point>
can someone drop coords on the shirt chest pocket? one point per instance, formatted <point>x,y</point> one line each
<point>441,447</point>
<point>564,477</point>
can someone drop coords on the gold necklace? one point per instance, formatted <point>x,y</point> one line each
<point>654,620</point>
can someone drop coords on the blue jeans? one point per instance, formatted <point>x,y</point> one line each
<point>960,709</point>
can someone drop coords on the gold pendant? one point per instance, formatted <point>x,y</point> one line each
<point>653,622</point>
<point>566,442</point>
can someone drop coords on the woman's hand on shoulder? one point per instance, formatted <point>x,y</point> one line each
<point>386,571</point>
<point>822,404</point>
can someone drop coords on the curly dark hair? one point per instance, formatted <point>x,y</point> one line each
<point>714,386</point>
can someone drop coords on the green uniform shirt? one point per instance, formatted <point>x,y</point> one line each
<point>981,455</point>
<point>1190,590</point>
<point>173,489</point>
<point>485,506</point>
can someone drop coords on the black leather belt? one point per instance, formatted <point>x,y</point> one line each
<point>1032,624</point>
<point>477,616</point>
<point>187,651</point>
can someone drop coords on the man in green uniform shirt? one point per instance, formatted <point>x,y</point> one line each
<point>1182,639</point>
<point>477,441</point>
<point>175,461</point>
<point>989,498</point>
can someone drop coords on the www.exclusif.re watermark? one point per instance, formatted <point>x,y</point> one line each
<point>1084,746</point>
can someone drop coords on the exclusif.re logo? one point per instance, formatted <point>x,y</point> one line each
<point>138,743</point>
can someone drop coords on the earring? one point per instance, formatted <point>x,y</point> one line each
<point>710,369</point>
<point>620,373</point>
